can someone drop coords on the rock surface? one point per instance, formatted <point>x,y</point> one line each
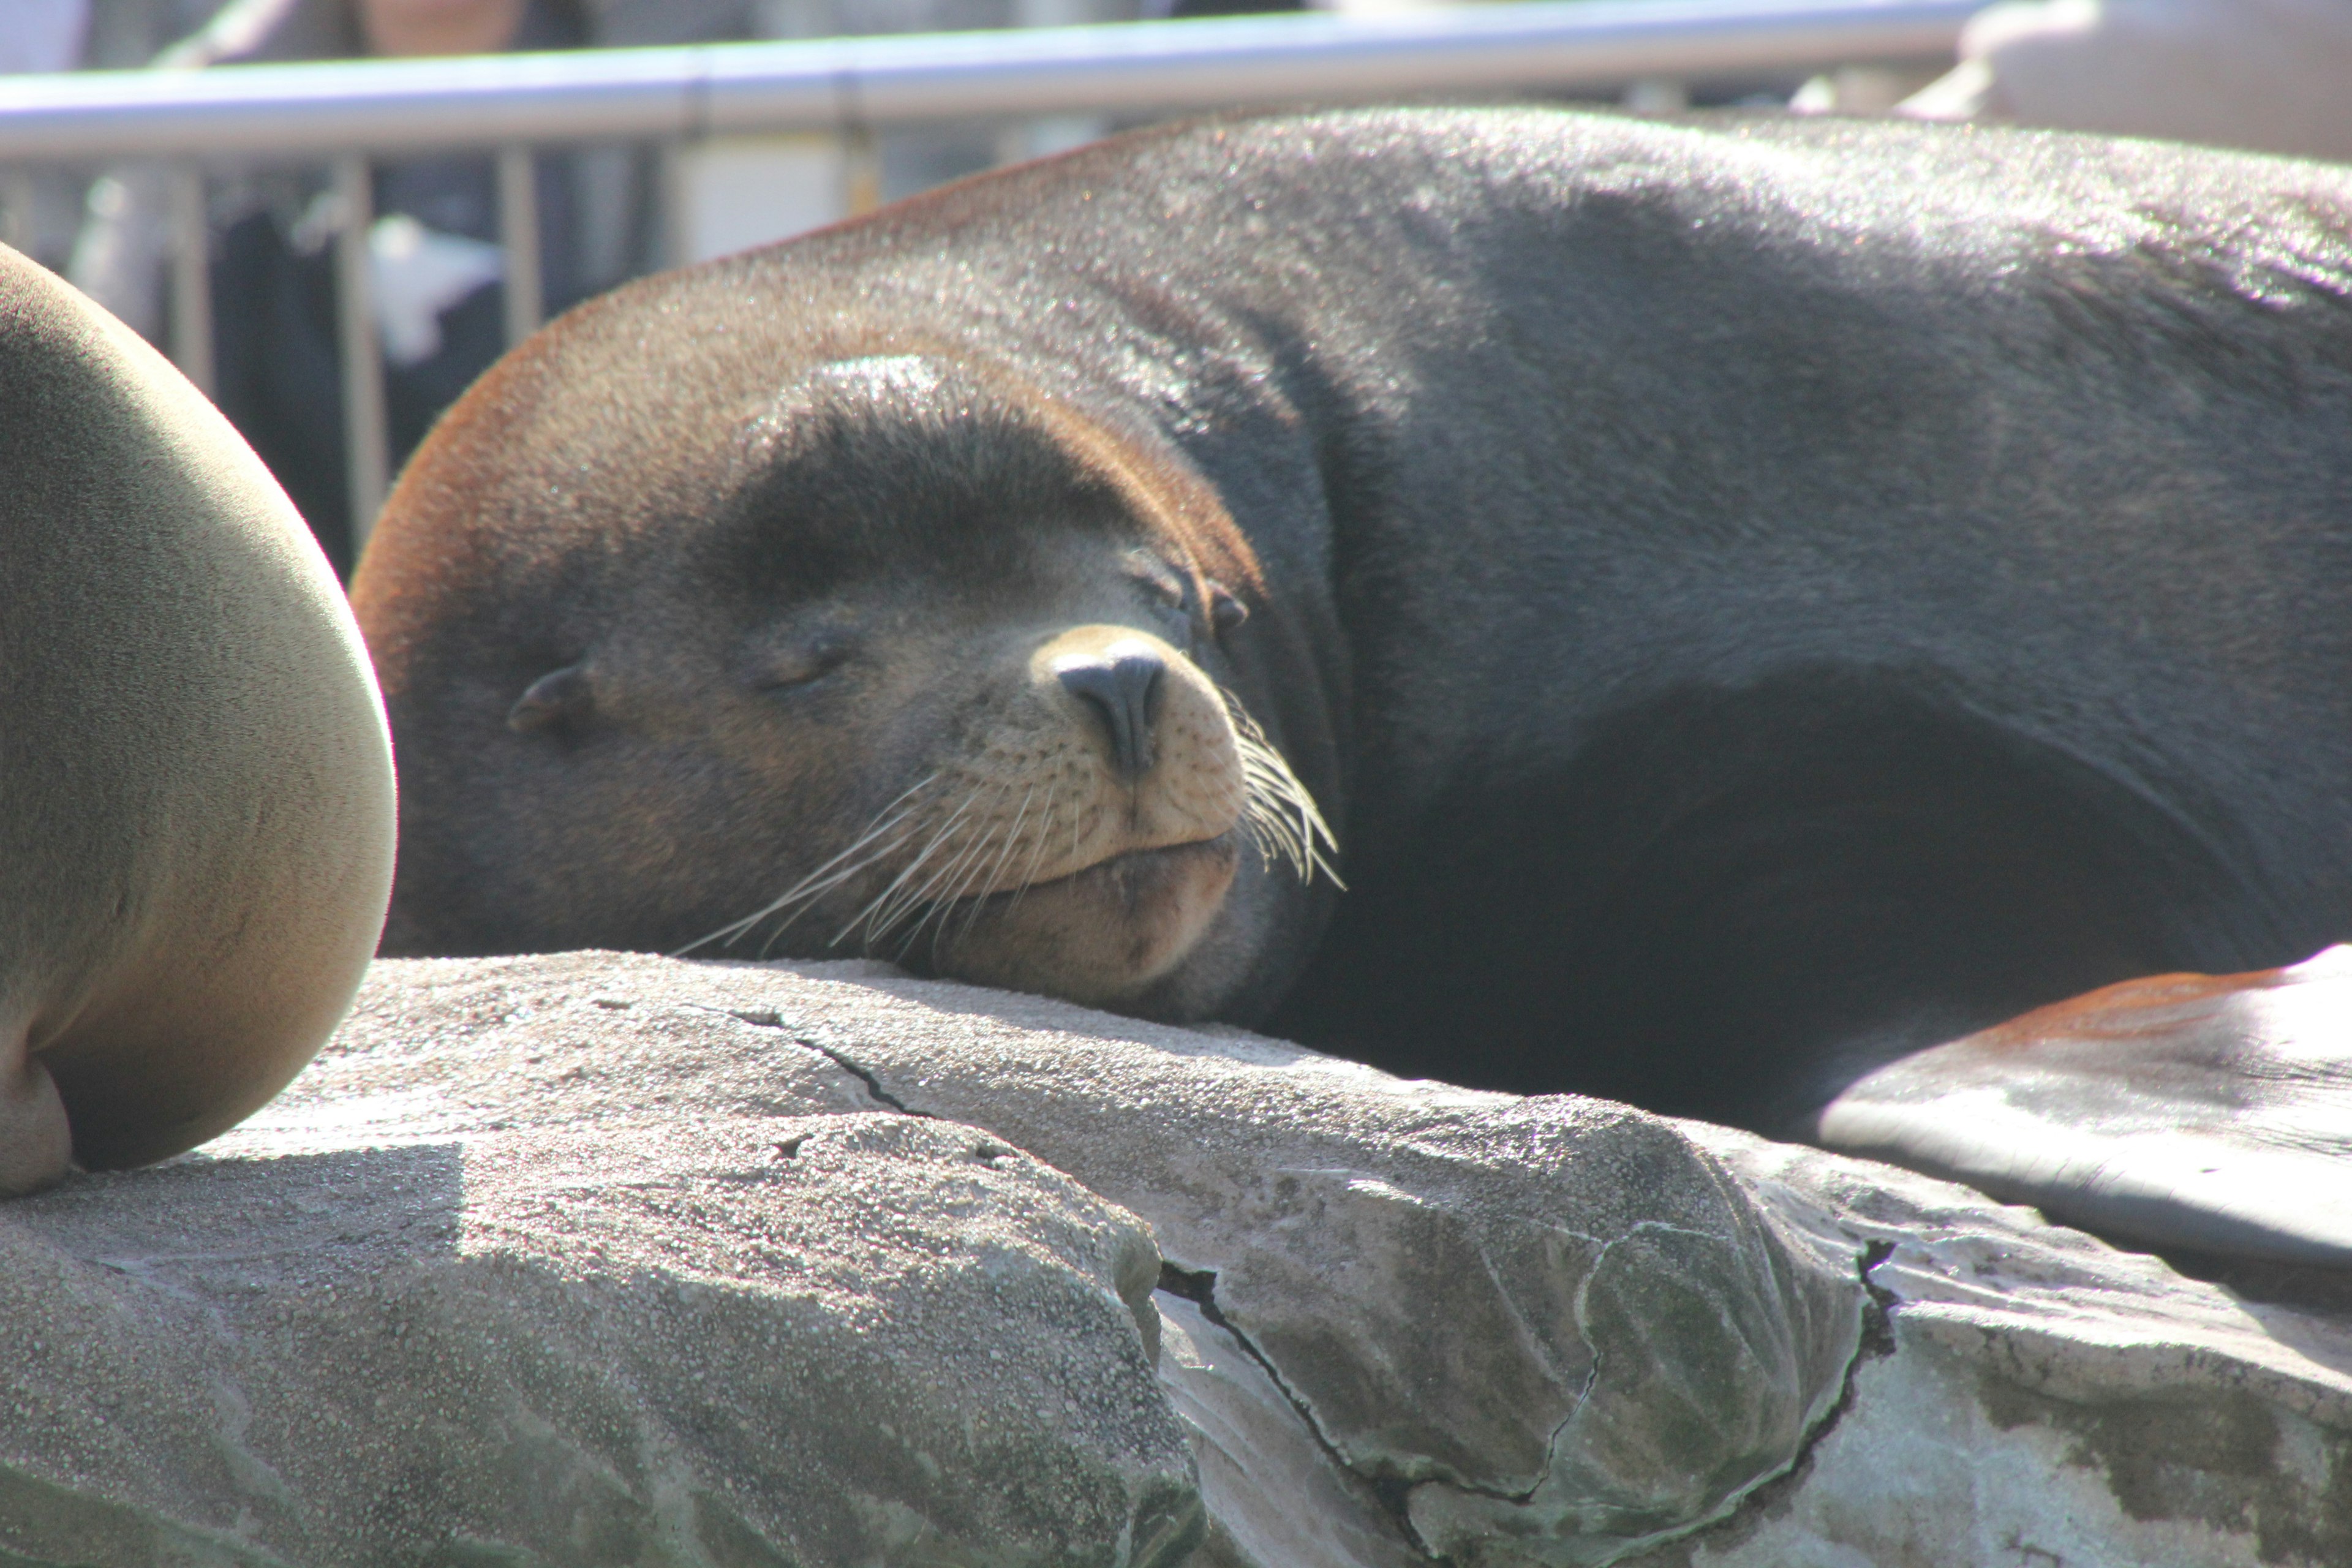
<point>607,1259</point>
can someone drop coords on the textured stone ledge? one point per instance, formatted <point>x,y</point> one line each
<point>609,1259</point>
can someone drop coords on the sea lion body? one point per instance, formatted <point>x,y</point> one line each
<point>196,780</point>
<point>1749,600</point>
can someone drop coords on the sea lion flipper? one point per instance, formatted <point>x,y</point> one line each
<point>2208,1113</point>
<point>35,1142</point>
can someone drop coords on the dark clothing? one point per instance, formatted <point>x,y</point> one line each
<point>277,360</point>
<point>277,353</point>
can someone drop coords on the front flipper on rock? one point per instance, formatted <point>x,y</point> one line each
<point>2205,1112</point>
<point>35,1142</point>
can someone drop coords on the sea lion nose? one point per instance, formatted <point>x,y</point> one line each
<point>1120,687</point>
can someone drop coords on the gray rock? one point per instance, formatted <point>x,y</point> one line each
<point>453,1307</point>
<point>2038,1397</point>
<point>599,1258</point>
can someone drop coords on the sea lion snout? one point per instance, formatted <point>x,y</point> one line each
<point>1075,826</point>
<point>1119,688</point>
<point>1126,735</point>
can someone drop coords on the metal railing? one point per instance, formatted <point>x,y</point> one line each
<point>348,113</point>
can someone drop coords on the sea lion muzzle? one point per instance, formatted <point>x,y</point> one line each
<point>1120,688</point>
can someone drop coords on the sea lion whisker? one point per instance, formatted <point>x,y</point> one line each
<point>1271,835</point>
<point>810,888</point>
<point>1270,830</point>
<point>1270,785</point>
<point>942,905</point>
<point>1294,840</point>
<point>948,902</point>
<point>822,880</point>
<point>926,890</point>
<point>1045,836</point>
<point>935,895</point>
<point>1275,789</point>
<point>1012,837</point>
<point>867,915</point>
<point>897,902</point>
<point>807,900</point>
<point>958,872</point>
<point>804,889</point>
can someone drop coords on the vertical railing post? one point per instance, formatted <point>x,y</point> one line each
<point>192,289</point>
<point>519,236</point>
<point>861,169</point>
<point>677,223</point>
<point>366,444</point>
<point>17,208</point>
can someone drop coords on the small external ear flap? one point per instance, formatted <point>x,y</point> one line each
<point>1225,612</point>
<point>550,702</point>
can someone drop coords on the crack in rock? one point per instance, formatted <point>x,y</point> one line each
<point>873,1084</point>
<point>1392,1493</point>
<point>763,1018</point>
<point>1875,1343</point>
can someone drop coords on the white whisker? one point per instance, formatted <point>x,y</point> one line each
<point>808,887</point>
<point>927,891</point>
<point>1012,837</point>
<point>869,915</point>
<point>1274,793</point>
<point>944,904</point>
<point>943,891</point>
<point>807,899</point>
<point>1045,836</point>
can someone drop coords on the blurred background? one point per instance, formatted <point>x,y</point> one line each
<point>335,253</point>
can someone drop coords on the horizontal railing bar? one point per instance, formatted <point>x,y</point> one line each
<point>311,111</point>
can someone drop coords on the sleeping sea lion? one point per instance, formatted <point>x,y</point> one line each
<point>196,780</point>
<point>1733,604</point>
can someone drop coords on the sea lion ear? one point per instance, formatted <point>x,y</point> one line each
<point>1225,612</point>
<point>553,699</point>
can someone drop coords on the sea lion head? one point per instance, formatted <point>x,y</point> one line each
<point>895,656</point>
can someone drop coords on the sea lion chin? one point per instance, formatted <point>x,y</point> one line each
<point>1103,935</point>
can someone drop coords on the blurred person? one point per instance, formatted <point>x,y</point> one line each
<point>2270,76</point>
<point>37,36</point>
<point>41,35</point>
<point>44,201</point>
<point>434,261</point>
<point>92,35</point>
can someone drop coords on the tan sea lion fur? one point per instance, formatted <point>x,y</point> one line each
<point>195,782</point>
